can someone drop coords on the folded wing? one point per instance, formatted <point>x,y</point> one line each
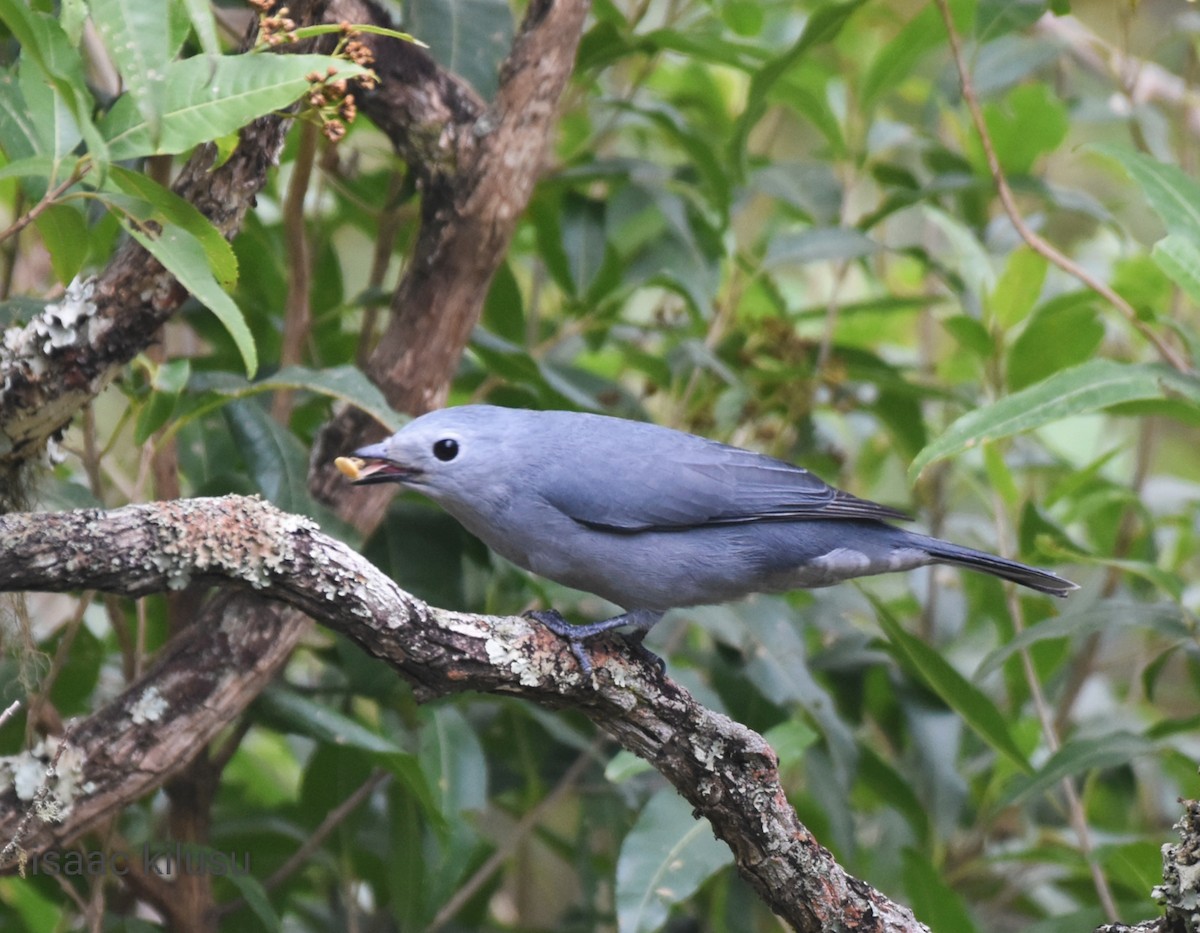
<point>675,481</point>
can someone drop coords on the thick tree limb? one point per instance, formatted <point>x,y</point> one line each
<point>725,770</point>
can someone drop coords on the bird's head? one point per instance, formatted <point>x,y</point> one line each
<point>448,455</point>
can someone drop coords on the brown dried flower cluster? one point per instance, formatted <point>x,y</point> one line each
<point>332,101</point>
<point>274,29</point>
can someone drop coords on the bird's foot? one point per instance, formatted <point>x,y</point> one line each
<point>553,620</point>
<point>636,641</point>
<point>576,635</point>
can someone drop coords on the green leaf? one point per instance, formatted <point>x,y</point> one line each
<point>664,859</point>
<point>345,383</point>
<point>302,716</point>
<point>58,131</point>
<point>185,258</point>
<point>971,335</point>
<point>955,690</point>
<point>830,244</point>
<point>35,910</point>
<point>65,233</point>
<point>822,26</point>
<point>171,208</point>
<point>203,25</point>
<point>256,898</point>
<point>583,240</point>
<point>454,763</point>
<point>1108,616</point>
<point>1174,195</point>
<point>790,740</point>
<point>504,307</point>
<point>37,166</point>
<point>167,384</point>
<point>716,49</point>
<point>625,765</point>
<point>896,60</point>
<point>329,29</point>
<point>206,97</point>
<point>1089,387</point>
<point>1178,255</point>
<point>933,900</point>
<point>467,37</point>
<point>50,63</point>
<point>1076,757</point>
<point>19,136</point>
<point>1018,288</point>
<point>1030,121</point>
<point>277,461</point>
<point>138,38</point>
<point>779,667</point>
<point>1063,332</point>
<point>744,17</point>
<point>889,785</point>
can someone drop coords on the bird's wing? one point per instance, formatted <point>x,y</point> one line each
<point>681,481</point>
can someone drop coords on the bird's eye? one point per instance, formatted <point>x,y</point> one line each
<point>445,449</point>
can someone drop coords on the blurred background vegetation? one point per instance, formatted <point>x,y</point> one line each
<point>771,222</point>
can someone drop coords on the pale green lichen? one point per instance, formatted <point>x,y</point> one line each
<point>506,654</point>
<point>254,551</point>
<point>48,774</point>
<point>708,754</point>
<point>148,707</point>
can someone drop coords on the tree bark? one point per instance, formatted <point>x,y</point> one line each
<point>201,680</point>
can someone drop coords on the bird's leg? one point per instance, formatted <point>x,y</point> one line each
<point>642,620</point>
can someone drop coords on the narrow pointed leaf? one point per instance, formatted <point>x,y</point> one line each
<point>173,209</point>
<point>206,97</point>
<point>1091,386</point>
<point>1079,756</point>
<point>137,36</point>
<point>955,690</point>
<point>183,256</point>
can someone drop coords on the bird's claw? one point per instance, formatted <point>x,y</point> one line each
<point>576,637</point>
<point>637,645</point>
<point>553,620</point>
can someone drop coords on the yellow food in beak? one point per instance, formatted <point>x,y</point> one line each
<point>350,467</point>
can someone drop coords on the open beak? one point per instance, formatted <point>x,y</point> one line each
<point>365,468</point>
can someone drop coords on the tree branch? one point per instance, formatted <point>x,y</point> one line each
<point>726,771</point>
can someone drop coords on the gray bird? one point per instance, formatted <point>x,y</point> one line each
<point>647,517</point>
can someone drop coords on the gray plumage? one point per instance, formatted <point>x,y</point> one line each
<point>651,518</point>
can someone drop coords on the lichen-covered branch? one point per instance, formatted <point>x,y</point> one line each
<point>726,771</point>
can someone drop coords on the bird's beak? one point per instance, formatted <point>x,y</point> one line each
<point>369,465</point>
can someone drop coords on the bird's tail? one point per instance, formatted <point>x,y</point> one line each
<point>1041,580</point>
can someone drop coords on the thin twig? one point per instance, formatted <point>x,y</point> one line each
<point>37,805</point>
<point>10,712</point>
<point>1035,241</point>
<point>386,233</point>
<point>332,820</point>
<point>513,839</point>
<point>1075,813</point>
<point>47,200</point>
<point>297,320</point>
<point>61,655</point>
